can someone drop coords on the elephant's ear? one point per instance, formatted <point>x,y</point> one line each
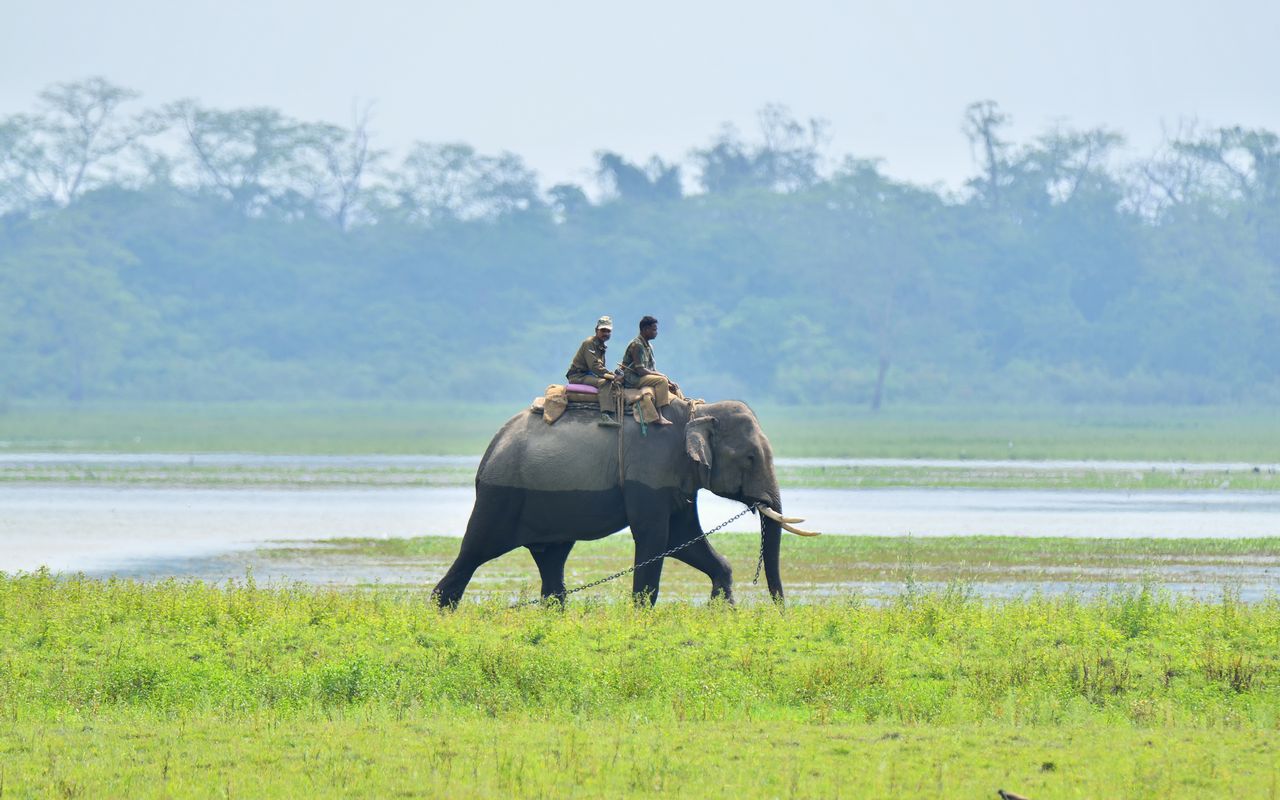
<point>697,443</point>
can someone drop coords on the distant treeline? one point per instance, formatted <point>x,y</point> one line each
<point>190,253</point>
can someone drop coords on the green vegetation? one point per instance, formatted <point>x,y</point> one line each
<point>1231,434</point>
<point>1153,433</point>
<point>826,477</point>
<point>1103,478</point>
<point>233,254</point>
<point>830,566</point>
<point>280,428</point>
<point>380,753</point>
<point>1001,551</point>
<point>188,689</point>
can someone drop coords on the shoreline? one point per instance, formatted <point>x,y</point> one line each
<point>228,470</point>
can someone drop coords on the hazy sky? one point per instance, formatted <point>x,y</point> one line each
<point>556,81</point>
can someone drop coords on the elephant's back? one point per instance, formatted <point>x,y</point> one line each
<point>573,454</point>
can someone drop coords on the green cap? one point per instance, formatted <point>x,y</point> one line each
<point>605,322</point>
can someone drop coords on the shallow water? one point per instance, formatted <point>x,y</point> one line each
<point>8,459</point>
<point>139,530</point>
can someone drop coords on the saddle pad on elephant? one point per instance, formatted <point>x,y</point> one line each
<point>557,400</point>
<point>629,396</point>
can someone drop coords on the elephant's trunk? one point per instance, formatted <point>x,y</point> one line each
<point>770,545</point>
<point>771,533</point>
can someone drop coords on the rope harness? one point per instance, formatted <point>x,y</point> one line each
<point>619,403</point>
<point>670,551</point>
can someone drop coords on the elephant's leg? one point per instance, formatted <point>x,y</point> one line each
<point>550,559</point>
<point>702,556</point>
<point>685,526</point>
<point>491,532</point>
<point>450,588</point>
<point>649,516</point>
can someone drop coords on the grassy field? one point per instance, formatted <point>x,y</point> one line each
<point>173,689</point>
<point>1200,434</point>
<point>817,570</point>
<point>387,754</point>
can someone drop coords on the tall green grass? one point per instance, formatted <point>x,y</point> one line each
<point>121,689</point>
<point>1142,658</point>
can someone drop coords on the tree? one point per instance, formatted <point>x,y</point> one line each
<point>1069,163</point>
<point>1172,178</point>
<point>444,182</point>
<point>66,314</point>
<point>568,200</point>
<point>983,126</point>
<point>655,181</point>
<point>1245,163</point>
<point>346,160</point>
<point>15,189</point>
<point>70,144</point>
<point>254,157</point>
<point>886,257</point>
<point>786,159</point>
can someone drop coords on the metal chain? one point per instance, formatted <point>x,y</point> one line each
<point>748,510</point>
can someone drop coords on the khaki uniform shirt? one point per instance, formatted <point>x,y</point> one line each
<point>639,354</point>
<point>589,360</point>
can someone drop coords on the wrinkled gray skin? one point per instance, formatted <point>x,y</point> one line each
<point>545,487</point>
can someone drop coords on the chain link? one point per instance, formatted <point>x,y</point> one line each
<point>748,510</point>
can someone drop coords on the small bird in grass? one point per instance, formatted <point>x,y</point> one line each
<point>1009,795</point>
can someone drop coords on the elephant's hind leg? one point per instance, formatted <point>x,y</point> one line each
<point>701,556</point>
<point>550,559</point>
<point>448,591</point>
<point>491,532</point>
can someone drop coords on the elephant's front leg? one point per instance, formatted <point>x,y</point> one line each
<point>649,516</point>
<point>685,527</point>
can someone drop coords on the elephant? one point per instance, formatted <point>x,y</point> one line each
<point>546,487</point>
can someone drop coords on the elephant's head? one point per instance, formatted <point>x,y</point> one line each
<point>731,457</point>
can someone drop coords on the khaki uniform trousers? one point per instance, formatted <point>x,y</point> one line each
<point>605,398</point>
<point>658,396</point>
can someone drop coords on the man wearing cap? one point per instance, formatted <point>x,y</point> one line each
<point>589,367</point>
<point>638,372</point>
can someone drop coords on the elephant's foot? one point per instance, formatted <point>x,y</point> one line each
<point>645,598</point>
<point>446,600</point>
<point>556,600</point>
<point>448,592</point>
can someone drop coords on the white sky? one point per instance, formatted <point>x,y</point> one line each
<point>556,81</point>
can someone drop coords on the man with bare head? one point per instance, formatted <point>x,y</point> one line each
<point>637,369</point>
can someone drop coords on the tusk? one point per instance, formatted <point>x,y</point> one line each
<point>798,531</point>
<point>786,522</point>
<point>776,517</point>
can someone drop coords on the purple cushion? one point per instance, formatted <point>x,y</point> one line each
<point>581,388</point>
